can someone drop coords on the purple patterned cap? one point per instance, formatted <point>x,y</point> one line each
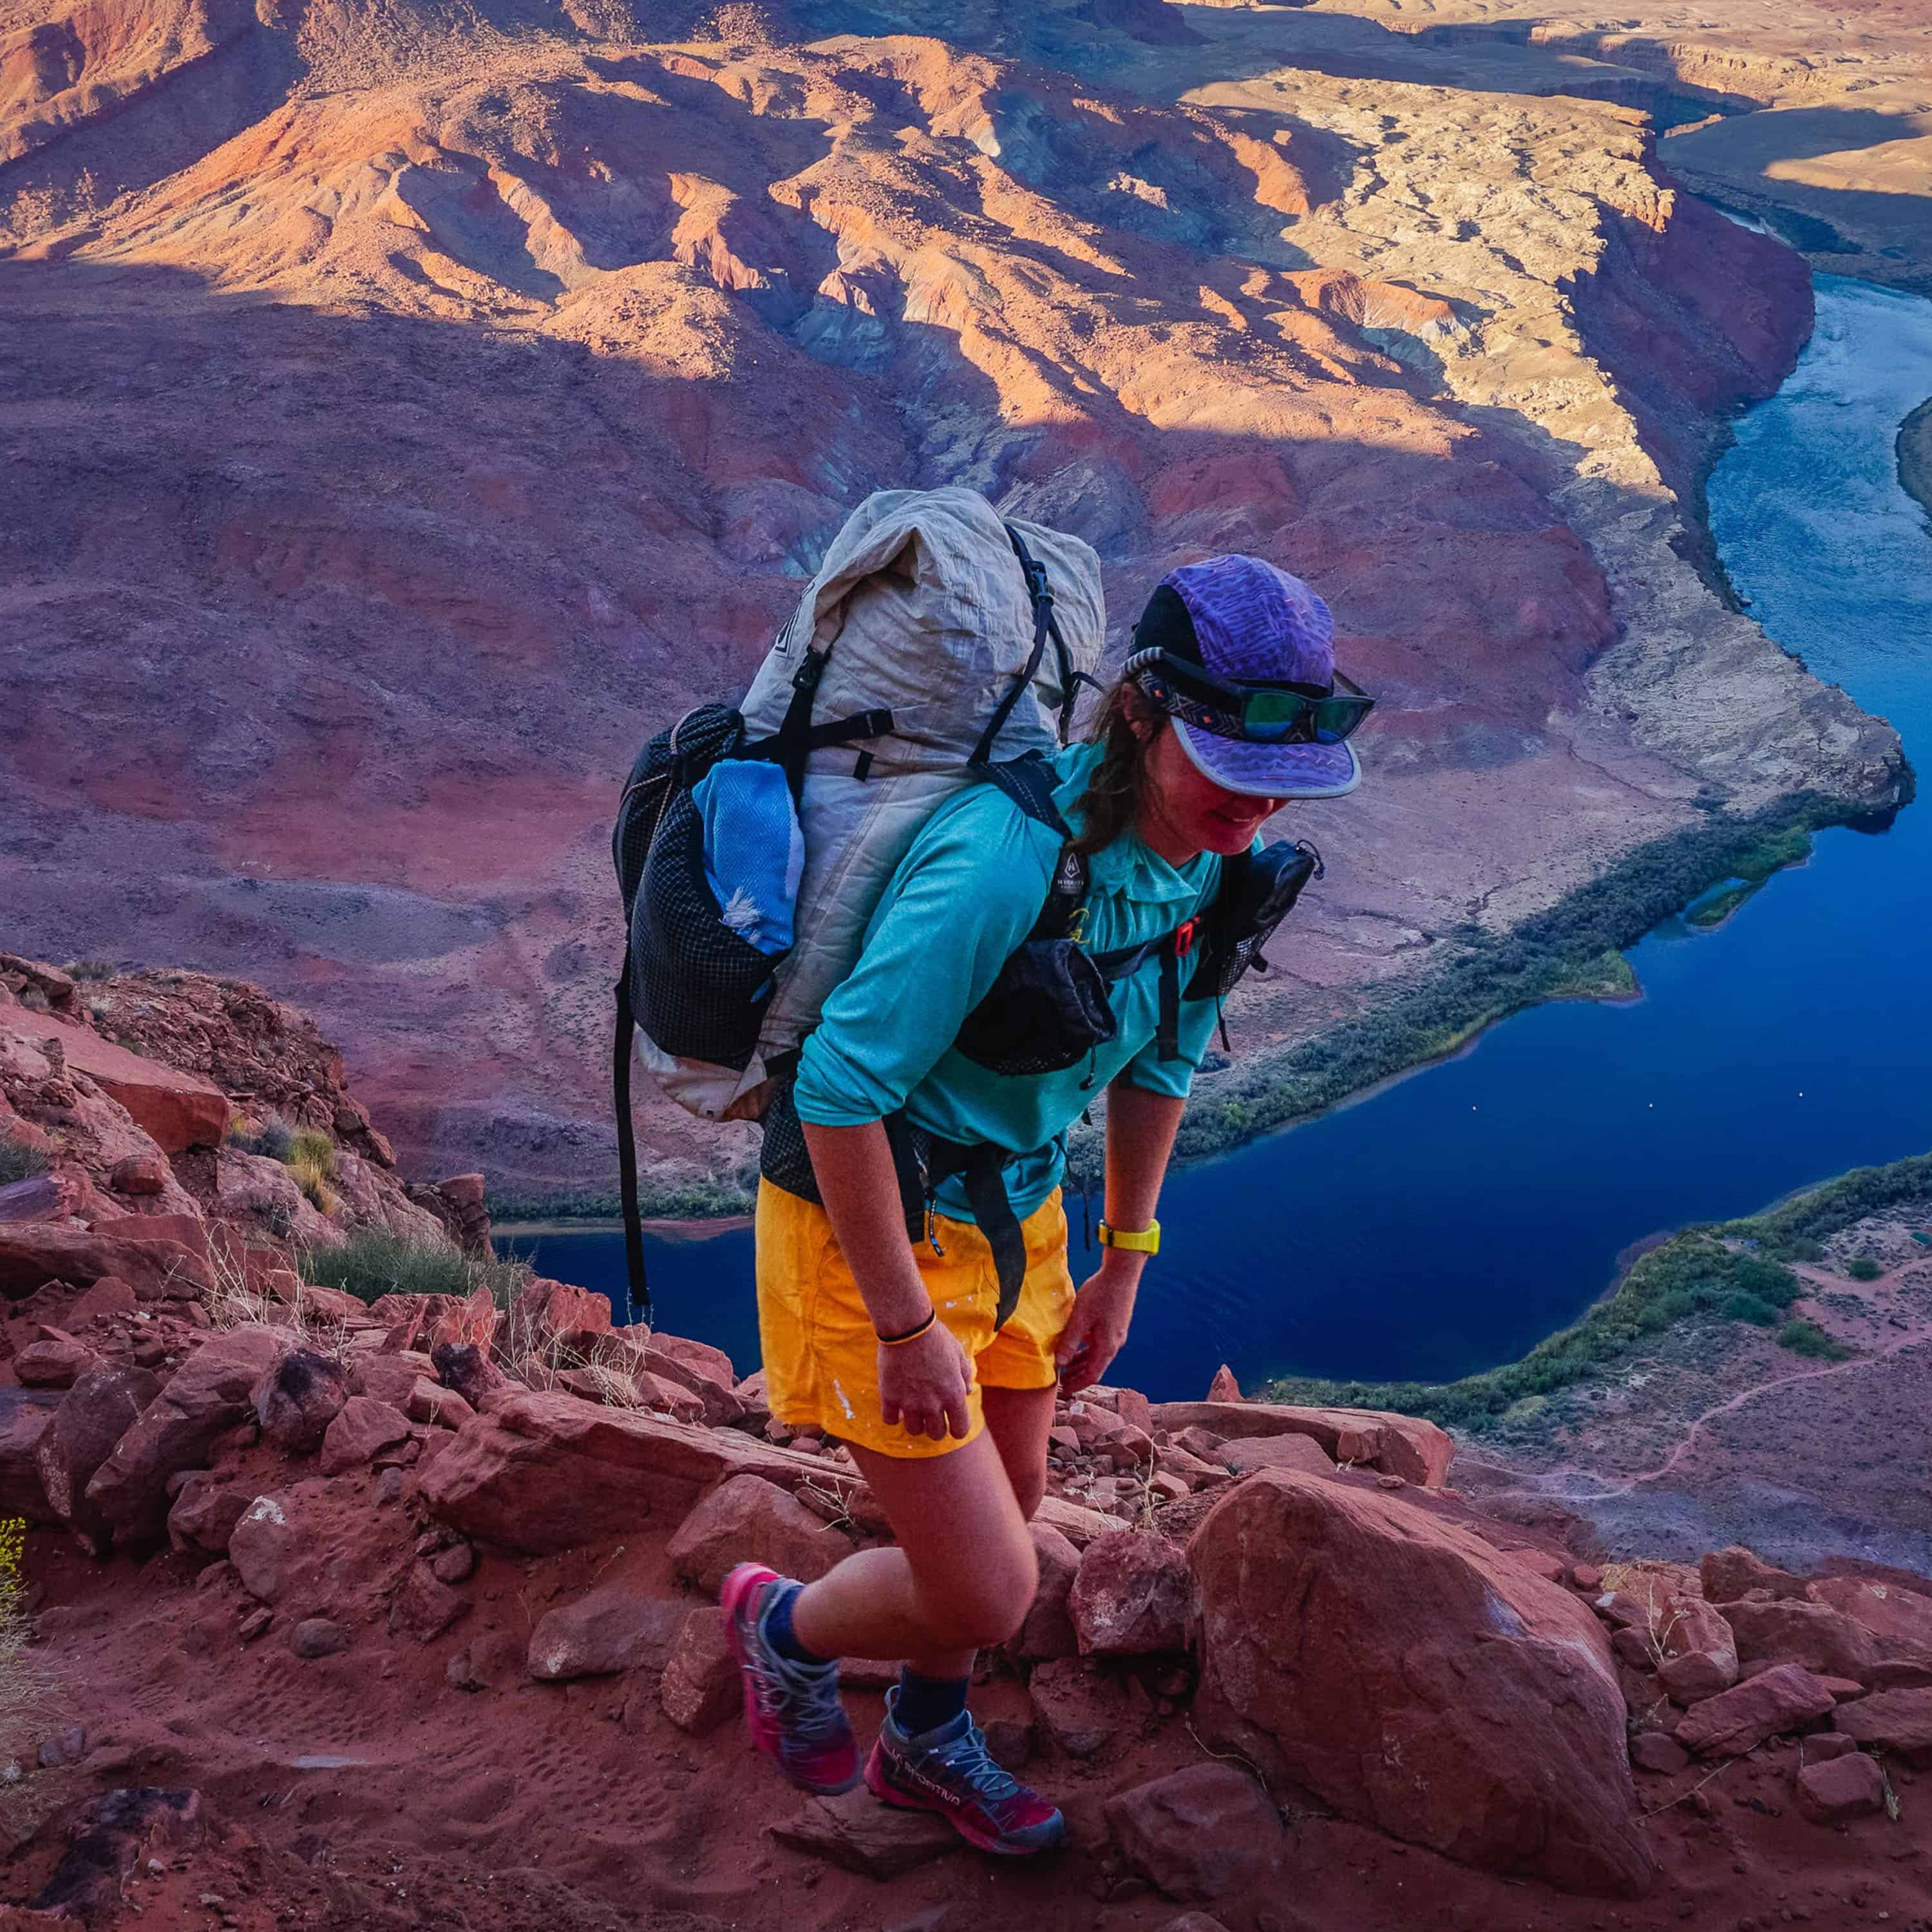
<point>1252,621</point>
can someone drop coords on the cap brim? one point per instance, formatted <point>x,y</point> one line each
<point>1271,771</point>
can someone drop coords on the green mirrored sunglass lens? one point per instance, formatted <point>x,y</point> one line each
<point>1335,718</point>
<point>1268,709</point>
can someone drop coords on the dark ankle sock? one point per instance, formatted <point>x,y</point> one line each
<point>926,1703</point>
<point>778,1631</point>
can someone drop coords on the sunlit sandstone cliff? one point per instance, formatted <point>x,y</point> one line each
<point>411,408</point>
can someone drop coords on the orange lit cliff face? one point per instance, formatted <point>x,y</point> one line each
<point>409,409</point>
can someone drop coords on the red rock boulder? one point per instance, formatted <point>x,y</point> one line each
<point>1133,1597</point>
<point>359,1433</point>
<point>1048,1630</point>
<point>1276,1452</point>
<point>1784,1698</point>
<point>1417,1679</point>
<point>1198,1834</point>
<point>750,1520</point>
<point>158,1269</point>
<point>298,1398</point>
<point>699,1688</point>
<point>1822,1640</point>
<point>607,1631</point>
<point>1397,1445</point>
<point>1841,1789</point>
<point>1726,1574</point>
<point>57,1360</point>
<point>176,1110</point>
<point>211,1392</point>
<point>96,1413</point>
<point>1699,1653</point>
<point>26,1416</point>
<point>1901,1620</point>
<point>1893,1720</point>
<point>541,1472</point>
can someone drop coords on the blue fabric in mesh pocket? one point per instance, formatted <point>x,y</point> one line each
<point>754,850</point>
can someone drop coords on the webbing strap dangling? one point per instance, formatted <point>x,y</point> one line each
<point>638,1289</point>
<point>1045,628</point>
<point>1167,1029</point>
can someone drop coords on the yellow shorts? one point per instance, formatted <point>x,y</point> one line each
<point>821,1351</point>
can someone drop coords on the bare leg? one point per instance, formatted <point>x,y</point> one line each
<point>1018,1420</point>
<point>962,1577</point>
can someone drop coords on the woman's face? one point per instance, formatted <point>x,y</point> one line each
<point>1185,812</point>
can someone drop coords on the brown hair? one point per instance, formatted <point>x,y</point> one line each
<point>1115,792</point>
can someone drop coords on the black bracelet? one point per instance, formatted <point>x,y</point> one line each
<point>912,1333</point>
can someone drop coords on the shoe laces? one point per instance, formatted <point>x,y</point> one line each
<point>806,1700</point>
<point>968,1757</point>
<point>803,1698</point>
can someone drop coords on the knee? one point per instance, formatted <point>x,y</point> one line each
<point>993,1605</point>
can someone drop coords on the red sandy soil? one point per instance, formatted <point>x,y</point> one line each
<point>473,1809</point>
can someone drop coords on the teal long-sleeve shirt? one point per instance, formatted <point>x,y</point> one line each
<point>966,894</point>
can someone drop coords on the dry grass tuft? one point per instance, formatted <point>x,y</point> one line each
<point>19,1161</point>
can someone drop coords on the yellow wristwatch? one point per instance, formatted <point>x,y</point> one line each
<point>1142,1241</point>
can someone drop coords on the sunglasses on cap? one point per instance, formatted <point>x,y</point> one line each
<point>1269,712</point>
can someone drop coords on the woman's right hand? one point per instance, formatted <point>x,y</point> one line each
<point>923,1385</point>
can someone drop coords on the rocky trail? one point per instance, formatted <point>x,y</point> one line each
<point>397,1609</point>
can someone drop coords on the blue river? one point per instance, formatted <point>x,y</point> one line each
<point>1451,1220</point>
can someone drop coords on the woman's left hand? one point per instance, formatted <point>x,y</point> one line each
<point>1097,1328</point>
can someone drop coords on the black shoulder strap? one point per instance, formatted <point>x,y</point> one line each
<point>1045,626</point>
<point>1030,781</point>
<point>1066,898</point>
<point>639,1292</point>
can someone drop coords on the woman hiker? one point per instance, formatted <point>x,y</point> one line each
<point>1227,707</point>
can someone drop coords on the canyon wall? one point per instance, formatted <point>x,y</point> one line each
<point>401,441</point>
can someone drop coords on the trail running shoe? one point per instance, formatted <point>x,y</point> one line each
<point>792,1710</point>
<point>950,1770</point>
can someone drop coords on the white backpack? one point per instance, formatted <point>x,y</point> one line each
<point>936,647</point>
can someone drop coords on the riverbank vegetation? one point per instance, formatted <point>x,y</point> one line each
<point>1732,1270</point>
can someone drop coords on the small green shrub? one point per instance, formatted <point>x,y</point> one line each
<point>19,1161</point>
<point>1743,1307</point>
<point>373,1262</point>
<point>1863,1269</point>
<point>89,969</point>
<point>1768,1281</point>
<point>1807,1338</point>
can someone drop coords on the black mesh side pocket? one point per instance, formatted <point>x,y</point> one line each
<point>1046,1012</point>
<point>698,988</point>
<point>673,760</point>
